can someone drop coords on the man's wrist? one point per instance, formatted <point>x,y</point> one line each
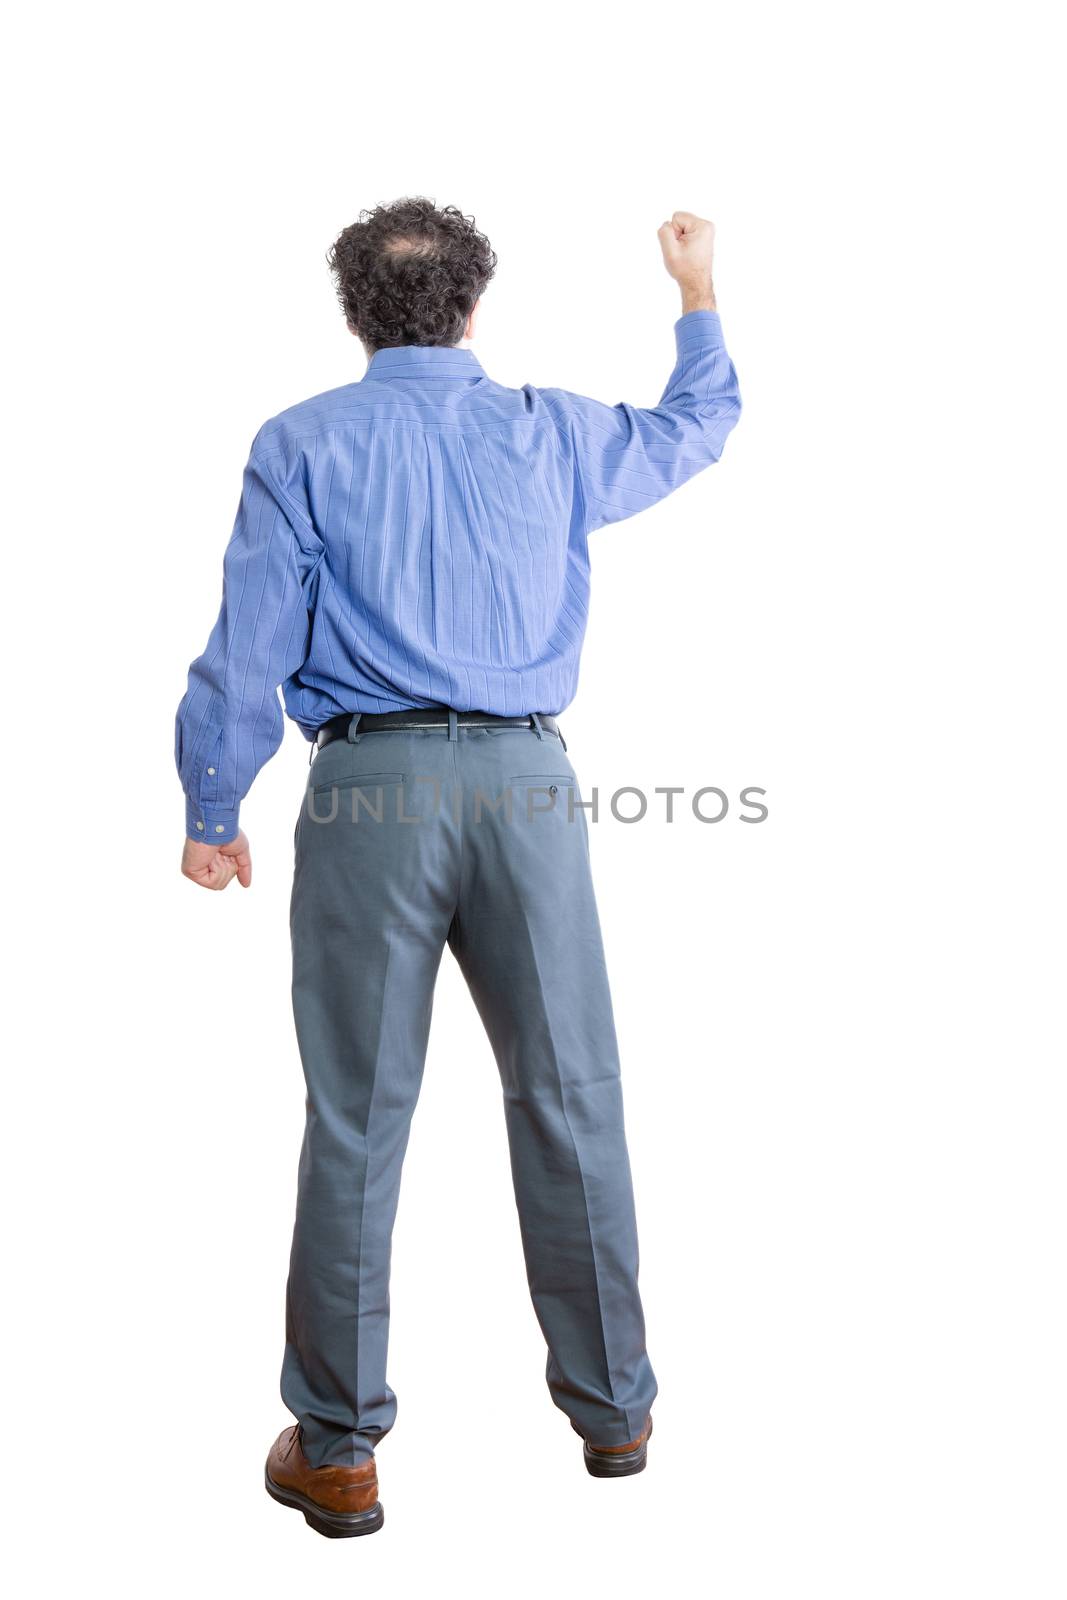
<point>698,296</point>
<point>211,824</point>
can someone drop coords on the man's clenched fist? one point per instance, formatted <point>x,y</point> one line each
<point>688,243</point>
<point>213,866</point>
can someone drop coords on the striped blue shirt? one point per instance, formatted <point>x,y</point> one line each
<point>419,538</point>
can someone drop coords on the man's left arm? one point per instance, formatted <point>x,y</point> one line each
<point>229,722</point>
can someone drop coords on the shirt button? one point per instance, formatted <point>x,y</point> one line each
<point>200,826</point>
<point>220,827</point>
<point>211,772</point>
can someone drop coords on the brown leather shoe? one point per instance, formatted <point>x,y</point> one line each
<point>617,1460</point>
<point>340,1502</point>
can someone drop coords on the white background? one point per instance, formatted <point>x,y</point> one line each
<point>844,1104</point>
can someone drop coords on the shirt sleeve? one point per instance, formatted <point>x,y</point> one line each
<point>627,457</point>
<point>229,722</point>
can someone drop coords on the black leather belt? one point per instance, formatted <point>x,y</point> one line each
<point>430,717</point>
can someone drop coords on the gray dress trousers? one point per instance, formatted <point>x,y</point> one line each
<point>409,840</point>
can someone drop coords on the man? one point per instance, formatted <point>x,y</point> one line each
<point>409,560</point>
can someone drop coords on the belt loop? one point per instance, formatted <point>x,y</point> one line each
<point>353,736</point>
<point>562,740</point>
<point>536,720</point>
<point>453,725</point>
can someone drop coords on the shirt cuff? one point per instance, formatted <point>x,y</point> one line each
<point>210,824</point>
<point>701,328</point>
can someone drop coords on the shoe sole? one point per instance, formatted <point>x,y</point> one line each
<point>599,1465</point>
<point>331,1524</point>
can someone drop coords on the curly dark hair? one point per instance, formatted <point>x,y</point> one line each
<point>410,273</point>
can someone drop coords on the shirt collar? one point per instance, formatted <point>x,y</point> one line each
<point>418,360</point>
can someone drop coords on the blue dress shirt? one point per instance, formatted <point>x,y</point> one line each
<point>419,538</point>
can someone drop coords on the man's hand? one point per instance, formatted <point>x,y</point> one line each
<point>688,243</point>
<point>213,865</point>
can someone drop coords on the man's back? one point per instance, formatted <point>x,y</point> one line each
<point>419,537</point>
<point>453,560</point>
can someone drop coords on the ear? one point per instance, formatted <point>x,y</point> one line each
<point>468,332</point>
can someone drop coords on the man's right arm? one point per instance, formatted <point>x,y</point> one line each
<point>627,457</point>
